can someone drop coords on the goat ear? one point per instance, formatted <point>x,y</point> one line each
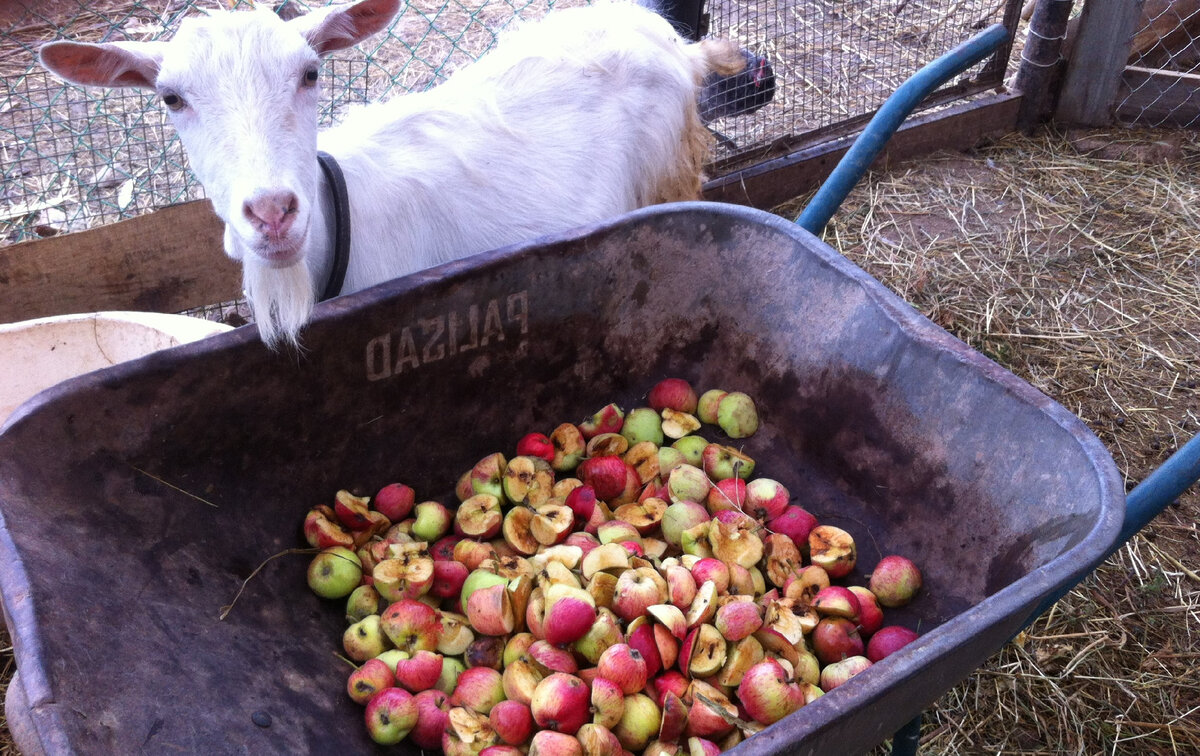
<point>112,64</point>
<point>340,26</point>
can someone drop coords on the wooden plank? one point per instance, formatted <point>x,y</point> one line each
<point>169,260</point>
<point>775,181</point>
<point>1098,56</point>
<point>1154,97</point>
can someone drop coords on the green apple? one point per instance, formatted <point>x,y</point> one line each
<point>643,424</point>
<point>365,639</point>
<point>692,447</point>
<point>433,521</point>
<point>737,415</point>
<point>363,602</point>
<point>335,572</point>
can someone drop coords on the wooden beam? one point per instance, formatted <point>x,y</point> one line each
<point>169,260</point>
<point>1155,97</point>
<point>775,181</point>
<point>1098,56</point>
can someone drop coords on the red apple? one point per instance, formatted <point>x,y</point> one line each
<point>391,715</point>
<point>836,638</point>
<point>420,671</point>
<point>766,499</point>
<point>433,707</point>
<point>768,694</point>
<point>552,743</point>
<point>738,619</point>
<point>512,721</point>
<point>478,689</point>
<point>569,613</point>
<point>412,626</point>
<point>888,640</point>
<point>536,445</point>
<point>673,393</point>
<point>895,580</point>
<point>710,568</point>
<point>561,703</point>
<point>582,501</point>
<point>870,616</point>
<point>606,476</point>
<point>623,665</point>
<point>608,419</point>
<point>796,523</point>
<point>395,501</point>
<point>836,601</point>
<point>367,680</point>
<point>725,495</point>
<point>448,578</point>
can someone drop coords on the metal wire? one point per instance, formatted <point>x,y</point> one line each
<point>75,158</point>
<point>1166,41</point>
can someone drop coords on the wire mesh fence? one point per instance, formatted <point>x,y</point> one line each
<point>1163,83</point>
<point>74,158</point>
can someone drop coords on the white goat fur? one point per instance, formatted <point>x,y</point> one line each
<point>583,115</point>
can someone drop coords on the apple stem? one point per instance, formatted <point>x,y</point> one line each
<point>225,610</point>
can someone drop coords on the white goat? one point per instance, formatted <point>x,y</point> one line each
<point>581,116</point>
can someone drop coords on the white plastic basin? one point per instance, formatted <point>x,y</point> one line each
<point>36,354</point>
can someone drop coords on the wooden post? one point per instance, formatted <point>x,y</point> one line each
<point>1097,60</point>
<point>1040,60</point>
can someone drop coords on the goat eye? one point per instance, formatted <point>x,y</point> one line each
<point>310,77</point>
<point>173,101</point>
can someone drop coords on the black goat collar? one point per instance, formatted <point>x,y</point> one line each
<point>341,224</point>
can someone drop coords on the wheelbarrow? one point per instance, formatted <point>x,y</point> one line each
<point>137,499</point>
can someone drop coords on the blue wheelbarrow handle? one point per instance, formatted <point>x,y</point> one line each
<point>1160,488</point>
<point>888,118</point>
<point>1149,498</point>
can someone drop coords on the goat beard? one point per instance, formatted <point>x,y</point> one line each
<point>282,300</point>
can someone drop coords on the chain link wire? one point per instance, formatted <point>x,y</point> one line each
<point>1164,53</point>
<point>74,158</point>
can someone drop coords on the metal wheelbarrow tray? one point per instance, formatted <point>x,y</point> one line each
<point>136,499</point>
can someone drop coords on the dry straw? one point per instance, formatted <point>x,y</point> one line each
<point>1071,259</point>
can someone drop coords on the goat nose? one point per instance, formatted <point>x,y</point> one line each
<point>271,213</point>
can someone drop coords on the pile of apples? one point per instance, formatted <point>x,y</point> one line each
<point>622,585</point>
